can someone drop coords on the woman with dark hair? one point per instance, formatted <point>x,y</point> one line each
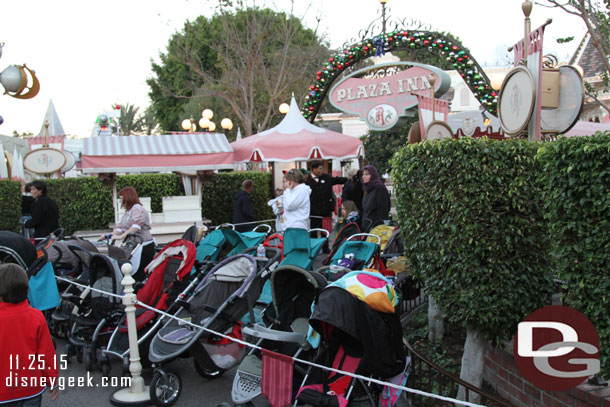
<point>45,213</point>
<point>135,221</point>
<point>376,202</point>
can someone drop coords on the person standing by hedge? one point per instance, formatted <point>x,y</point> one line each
<point>45,213</point>
<point>243,212</point>
<point>376,202</point>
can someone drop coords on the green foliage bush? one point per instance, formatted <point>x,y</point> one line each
<point>471,214</point>
<point>576,176</point>
<point>218,193</point>
<point>10,205</point>
<point>84,203</point>
<point>155,186</point>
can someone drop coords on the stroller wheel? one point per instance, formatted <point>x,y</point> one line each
<point>69,352</point>
<point>60,330</point>
<point>105,368</point>
<point>165,387</point>
<point>209,374</point>
<point>88,360</point>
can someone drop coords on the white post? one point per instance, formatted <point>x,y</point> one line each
<point>138,392</point>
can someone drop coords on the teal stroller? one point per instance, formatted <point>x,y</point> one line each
<point>300,249</point>
<point>354,254</point>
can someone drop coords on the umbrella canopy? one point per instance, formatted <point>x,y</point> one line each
<point>295,139</point>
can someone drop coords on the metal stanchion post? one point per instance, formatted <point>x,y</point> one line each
<point>138,393</point>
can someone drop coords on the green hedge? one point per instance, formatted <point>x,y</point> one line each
<point>10,205</point>
<point>84,203</point>
<point>471,215</point>
<point>155,186</point>
<point>576,175</point>
<point>218,193</point>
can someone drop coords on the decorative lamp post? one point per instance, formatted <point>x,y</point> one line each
<point>226,124</point>
<point>284,108</point>
<point>189,125</point>
<point>383,19</point>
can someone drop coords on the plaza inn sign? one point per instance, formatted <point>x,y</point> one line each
<point>381,94</point>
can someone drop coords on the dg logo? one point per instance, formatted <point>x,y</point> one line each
<point>556,348</point>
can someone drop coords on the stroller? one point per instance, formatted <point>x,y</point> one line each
<point>360,334</point>
<point>166,273</point>
<point>43,292</point>
<point>224,241</point>
<point>292,290</point>
<point>300,249</point>
<point>354,254</point>
<point>346,231</point>
<point>222,298</point>
<point>96,315</point>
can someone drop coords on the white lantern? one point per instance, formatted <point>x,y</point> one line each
<point>212,126</point>
<point>284,108</point>
<point>226,124</point>
<point>186,124</point>
<point>208,114</point>
<point>204,123</point>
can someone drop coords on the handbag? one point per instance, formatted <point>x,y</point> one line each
<point>43,293</point>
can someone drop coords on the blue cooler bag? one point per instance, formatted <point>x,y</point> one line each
<point>43,292</point>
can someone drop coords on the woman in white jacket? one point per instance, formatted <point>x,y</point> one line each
<point>296,201</point>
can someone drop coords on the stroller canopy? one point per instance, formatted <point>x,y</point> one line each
<point>376,336</point>
<point>293,289</point>
<point>19,245</point>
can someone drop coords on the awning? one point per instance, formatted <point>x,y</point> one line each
<point>175,152</point>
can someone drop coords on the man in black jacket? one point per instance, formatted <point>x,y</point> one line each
<point>45,213</point>
<point>242,207</point>
<point>322,198</point>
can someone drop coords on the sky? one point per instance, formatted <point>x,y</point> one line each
<point>90,55</point>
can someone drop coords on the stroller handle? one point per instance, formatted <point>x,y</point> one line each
<point>225,225</point>
<point>263,225</point>
<point>367,235</point>
<point>326,232</point>
<point>262,332</point>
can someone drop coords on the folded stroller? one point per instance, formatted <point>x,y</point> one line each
<point>292,291</point>
<point>167,271</point>
<point>218,303</point>
<point>97,314</point>
<point>360,334</point>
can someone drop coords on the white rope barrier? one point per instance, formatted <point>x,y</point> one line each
<point>297,360</point>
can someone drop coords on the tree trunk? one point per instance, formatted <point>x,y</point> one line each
<point>436,326</point>
<point>473,361</point>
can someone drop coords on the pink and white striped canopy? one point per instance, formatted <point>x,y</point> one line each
<point>295,139</point>
<point>176,152</point>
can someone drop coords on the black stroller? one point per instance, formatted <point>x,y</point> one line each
<point>227,293</point>
<point>354,338</point>
<point>97,314</point>
<point>292,289</point>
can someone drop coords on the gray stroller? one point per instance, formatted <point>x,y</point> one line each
<point>219,303</point>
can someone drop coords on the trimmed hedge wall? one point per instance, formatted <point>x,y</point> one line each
<point>10,205</point>
<point>576,176</point>
<point>218,193</point>
<point>471,214</point>
<point>156,186</point>
<point>84,203</point>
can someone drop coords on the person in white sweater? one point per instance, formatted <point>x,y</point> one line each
<point>296,201</point>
